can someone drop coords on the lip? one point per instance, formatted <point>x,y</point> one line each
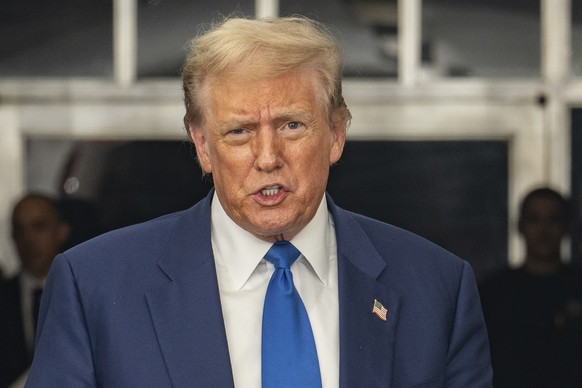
<point>271,194</point>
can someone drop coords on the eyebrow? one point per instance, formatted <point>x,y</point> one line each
<point>240,120</point>
<point>290,113</point>
<point>235,123</point>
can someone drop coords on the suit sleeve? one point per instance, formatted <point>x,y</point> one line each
<point>63,356</point>
<point>469,363</point>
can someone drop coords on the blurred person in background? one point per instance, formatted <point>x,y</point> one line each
<point>534,312</point>
<point>39,233</point>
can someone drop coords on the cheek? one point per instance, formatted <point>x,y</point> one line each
<point>316,171</point>
<point>230,166</point>
<point>315,157</point>
<point>231,159</point>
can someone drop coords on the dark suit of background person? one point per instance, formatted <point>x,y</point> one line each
<point>141,306</point>
<point>38,233</point>
<point>534,313</point>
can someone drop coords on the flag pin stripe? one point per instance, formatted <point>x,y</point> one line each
<point>379,310</point>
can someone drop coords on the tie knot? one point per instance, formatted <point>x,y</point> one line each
<point>282,254</point>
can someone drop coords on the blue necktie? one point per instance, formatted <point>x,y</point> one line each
<point>289,357</point>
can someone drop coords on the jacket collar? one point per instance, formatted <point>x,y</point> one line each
<point>187,313</point>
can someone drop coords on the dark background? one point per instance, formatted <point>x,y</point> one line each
<point>577,185</point>
<point>452,192</point>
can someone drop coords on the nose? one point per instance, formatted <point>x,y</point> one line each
<point>267,150</point>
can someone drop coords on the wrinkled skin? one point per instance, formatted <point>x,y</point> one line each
<point>268,144</point>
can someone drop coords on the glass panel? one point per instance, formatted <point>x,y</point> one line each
<point>56,38</point>
<point>165,27</point>
<point>452,192</point>
<point>576,37</point>
<point>577,186</point>
<point>366,28</point>
<point>123,182</point>
<point>481,38</point>
<point>369,36</point>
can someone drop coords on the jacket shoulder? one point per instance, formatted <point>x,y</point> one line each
<point>140,246</point>
<point>388,239</point>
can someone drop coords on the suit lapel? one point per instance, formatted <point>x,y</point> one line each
<point>366,341</point>
<point>186,312</point>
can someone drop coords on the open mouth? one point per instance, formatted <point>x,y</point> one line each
<point>272,190</point>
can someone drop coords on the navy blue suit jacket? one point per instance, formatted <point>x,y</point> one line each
<point>139,307</point>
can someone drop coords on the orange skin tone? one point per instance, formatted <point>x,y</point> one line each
<point>268,133</point>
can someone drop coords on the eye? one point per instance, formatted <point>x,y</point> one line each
<point>237,131</point>
<point>292,129</point>
<point>237,136</point>
<point>293,124</point>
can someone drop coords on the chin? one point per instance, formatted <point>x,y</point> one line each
<point>268,231</point>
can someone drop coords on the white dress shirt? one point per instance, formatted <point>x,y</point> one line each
<point>243,277</point>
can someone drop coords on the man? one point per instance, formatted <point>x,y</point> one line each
<point>534,312</point>
<point>38,232</point>
<point>185,300</point>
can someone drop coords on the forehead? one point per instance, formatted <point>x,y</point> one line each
<point>33,209</point>
<point>543,205</point>
<point>239,93</point>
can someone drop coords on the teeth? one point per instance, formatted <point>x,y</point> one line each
<point>271,190</point>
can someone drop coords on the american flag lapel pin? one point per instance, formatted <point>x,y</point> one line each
<point>379,310</point>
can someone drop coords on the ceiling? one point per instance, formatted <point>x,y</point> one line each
<point>73,38</point>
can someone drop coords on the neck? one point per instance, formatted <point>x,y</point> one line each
<point>543,266</point>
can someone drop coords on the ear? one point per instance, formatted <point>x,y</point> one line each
<point>338,140</point>
<point>199,139</point>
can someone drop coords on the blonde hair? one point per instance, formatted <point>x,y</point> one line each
<point>263,49</point>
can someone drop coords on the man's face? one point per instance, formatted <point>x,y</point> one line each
<point>38,234</point>
<point>543,227</point>
<point>268,145</point>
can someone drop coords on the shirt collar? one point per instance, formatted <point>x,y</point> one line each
<point>240,252</point>
<point>30,282</point>
<point>316,241</point>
